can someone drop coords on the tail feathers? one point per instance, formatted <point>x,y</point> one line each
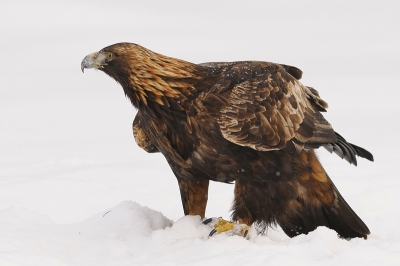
<point>345,221</point>
<point>339,217</point>
<point>348,151</point>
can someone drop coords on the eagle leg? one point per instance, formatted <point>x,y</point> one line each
<point>194,195</point>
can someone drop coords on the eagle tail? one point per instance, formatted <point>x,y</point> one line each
<point>339,217</point>
<point>319,203</point>
<point>300,198</point>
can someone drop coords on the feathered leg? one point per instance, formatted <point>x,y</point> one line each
<point>194,195</point>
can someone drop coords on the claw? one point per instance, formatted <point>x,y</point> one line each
<point>245,233</point>
<point>230,228</point>
<point>207,221</point>
<point>212,232</point>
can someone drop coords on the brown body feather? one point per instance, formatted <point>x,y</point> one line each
<point>252,123</point>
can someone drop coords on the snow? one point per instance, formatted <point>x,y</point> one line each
<point>76,190</point>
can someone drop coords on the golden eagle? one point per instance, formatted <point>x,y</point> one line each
<point>248,122</point>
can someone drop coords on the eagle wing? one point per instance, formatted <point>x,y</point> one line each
<point>141,137</point>
<point>266,108</point>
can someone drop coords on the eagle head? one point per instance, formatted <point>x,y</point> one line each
<point>113,59</point>
<point>144,75</point>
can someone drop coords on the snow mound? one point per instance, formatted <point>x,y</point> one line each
<point>131,234</point>
<point>124,221</point>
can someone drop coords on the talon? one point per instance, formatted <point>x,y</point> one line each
<point>212,232</point>
<point>230,228</point>
<point>207,221</point>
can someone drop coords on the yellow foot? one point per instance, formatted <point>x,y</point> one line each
<point>230,228</point>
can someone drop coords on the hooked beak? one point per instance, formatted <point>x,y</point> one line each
<point>95,60</point>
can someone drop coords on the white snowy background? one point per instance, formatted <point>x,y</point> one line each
<point>76,190</point>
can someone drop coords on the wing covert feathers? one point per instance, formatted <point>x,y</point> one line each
<point>270,110</point>
<point>263,106</point>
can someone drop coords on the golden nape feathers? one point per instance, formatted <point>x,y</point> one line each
<point>146,75</point>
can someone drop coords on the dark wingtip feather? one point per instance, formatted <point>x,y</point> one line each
<point>348,151</point>
<point>362,152</point>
